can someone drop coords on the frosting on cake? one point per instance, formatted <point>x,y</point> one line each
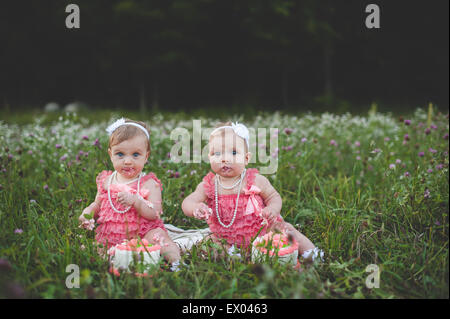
<point>275,243</point>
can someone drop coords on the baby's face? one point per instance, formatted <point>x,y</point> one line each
<point>227,154</point>
<point>130,156</point>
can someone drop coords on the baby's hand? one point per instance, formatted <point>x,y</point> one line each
<point>126,199</point>
<point>202,211</point>
<point>86,212</point>
<point>87,223</point>
<point>268,215</point>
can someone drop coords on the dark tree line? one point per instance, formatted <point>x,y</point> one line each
<point>179,54</point>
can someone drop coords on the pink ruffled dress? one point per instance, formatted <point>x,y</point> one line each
<point>247,222</point>
<point>115,227</point>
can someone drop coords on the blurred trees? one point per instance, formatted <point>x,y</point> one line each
<point>193,53</point>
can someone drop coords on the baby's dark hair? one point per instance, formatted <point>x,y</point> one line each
<point>126,132</point>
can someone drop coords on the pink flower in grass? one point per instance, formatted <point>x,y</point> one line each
<point>288,131</point>
<point>96,143</point>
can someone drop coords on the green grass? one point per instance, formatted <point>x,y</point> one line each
<point>358,210</point>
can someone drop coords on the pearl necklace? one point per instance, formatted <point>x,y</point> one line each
<point>109,192</point>
<point>232,186</point>
<point>237,200</point>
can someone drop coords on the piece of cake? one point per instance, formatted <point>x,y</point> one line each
<point>272,244</point>
<point>139,253</point>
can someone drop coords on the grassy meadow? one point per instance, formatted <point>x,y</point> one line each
<point>366,189</point>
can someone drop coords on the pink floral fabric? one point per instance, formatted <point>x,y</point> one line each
<point>115,227</point>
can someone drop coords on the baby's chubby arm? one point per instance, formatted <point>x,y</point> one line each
<point>271,198</point>
<point>94,207</point>
<point>194,204</point>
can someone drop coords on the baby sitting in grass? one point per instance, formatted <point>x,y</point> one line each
<point>235,200</point>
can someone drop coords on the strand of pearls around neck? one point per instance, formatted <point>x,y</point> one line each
<point>216,182</point>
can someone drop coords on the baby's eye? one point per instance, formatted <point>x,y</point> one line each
<point>136,154</point>
<point>234,152</point>
<point>120,154</point>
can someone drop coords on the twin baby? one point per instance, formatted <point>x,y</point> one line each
<point>234,200</point>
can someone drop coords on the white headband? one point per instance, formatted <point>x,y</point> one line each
<point>239,129</point>
<point>121,122</point>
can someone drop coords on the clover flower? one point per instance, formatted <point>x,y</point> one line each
<point>96,143</point>
<point>376,151</point>
<point>288,131</point>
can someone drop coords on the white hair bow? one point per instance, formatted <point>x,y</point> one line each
<point>114,126</point>
<point>242,131</point>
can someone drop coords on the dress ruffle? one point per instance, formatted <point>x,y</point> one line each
<point>245,227</point>
<point>115,227</point>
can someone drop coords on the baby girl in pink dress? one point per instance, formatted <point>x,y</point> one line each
<point>128,203</point>
<point>239,201</point>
